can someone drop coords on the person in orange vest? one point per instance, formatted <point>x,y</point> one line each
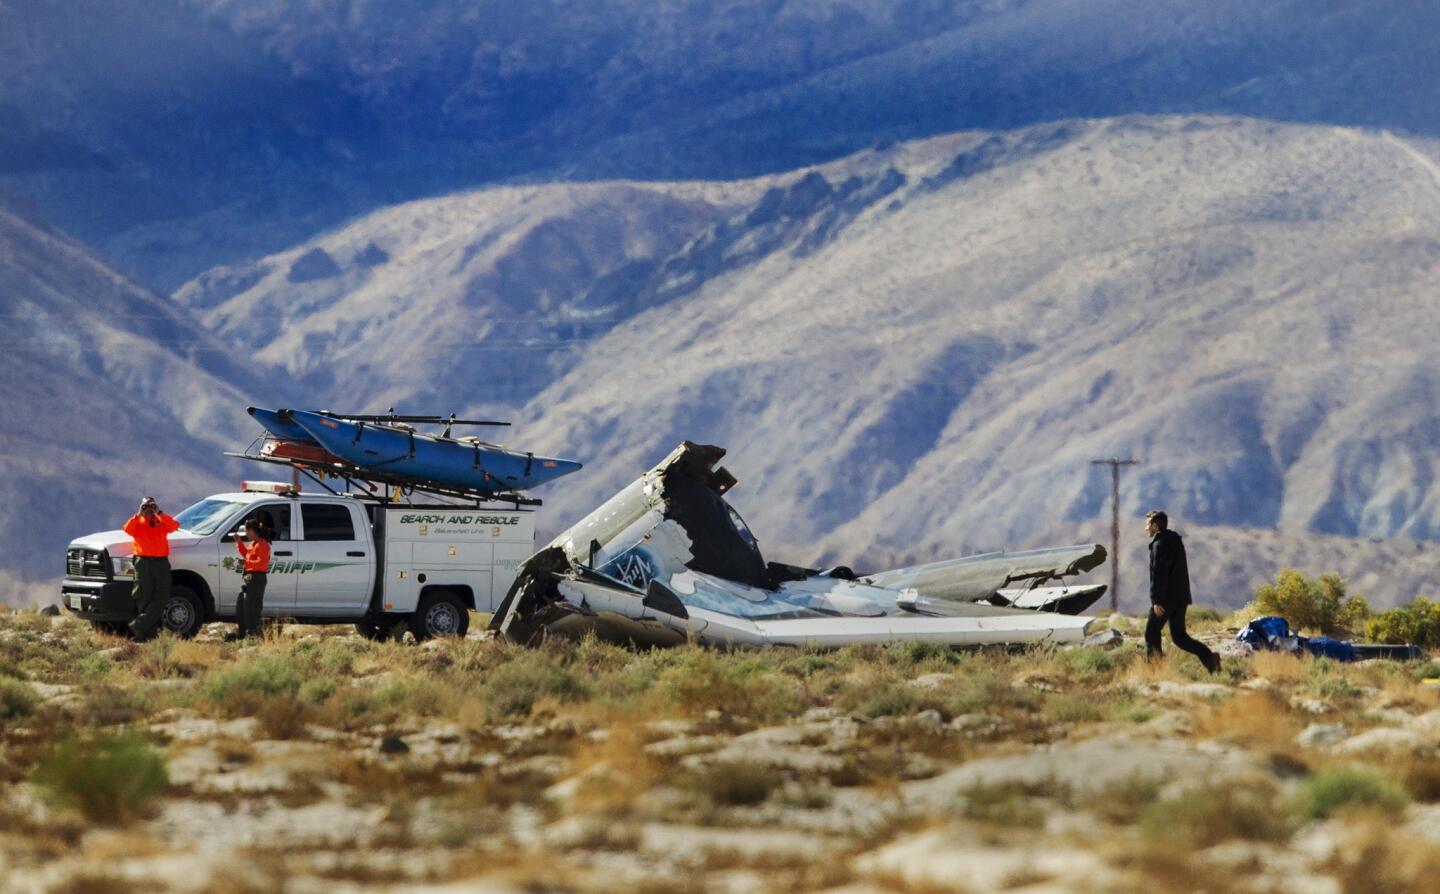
<point>150,530</point>
<point>255,550</point>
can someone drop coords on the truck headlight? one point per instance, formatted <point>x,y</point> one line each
<point>123,566</point>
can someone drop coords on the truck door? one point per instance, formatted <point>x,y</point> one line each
<point>280,585</point>
<point>337,562</point>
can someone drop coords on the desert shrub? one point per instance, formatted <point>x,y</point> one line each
<point>1332,790</point>
<point>1123,801</point>
<point>110,778</point>
<point>1418,623</point>
<point>1017,802</point>
<point>1430,670</point>
<point>917,653</point>
<point>736,684</point>
<point>1312,604</point>
<point>1203,614</point>
<point>317,691</point>
<point>730,783</point>
<point>1210,814</point>
<point>1087,664</point>
<point>16,699</point>
<point>893,699</point>
<point>283,717</point>
<point>1064,708</point>
<point>264,675</point>
<point>512,689</point>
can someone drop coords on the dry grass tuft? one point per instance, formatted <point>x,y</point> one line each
<point>1375,856</point>
<point>1206,815</point>
<point>1260,720</point>
<point>1280,668</point>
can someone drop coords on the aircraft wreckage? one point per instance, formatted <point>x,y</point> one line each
<point>667,560</point>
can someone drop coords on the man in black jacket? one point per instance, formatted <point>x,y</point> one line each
<point>1170,592</point>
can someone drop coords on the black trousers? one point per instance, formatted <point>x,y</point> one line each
<point>1175,617</point>
<point>151,592</point>
<point>250,603</point>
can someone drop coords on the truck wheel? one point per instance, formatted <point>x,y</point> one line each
<point>440,613</point>
<point>379,632</point>
<point>181,614</point>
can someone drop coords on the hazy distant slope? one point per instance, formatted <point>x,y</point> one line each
<point>106,398</point>
<point>178,134</point>
<point>472,302</point>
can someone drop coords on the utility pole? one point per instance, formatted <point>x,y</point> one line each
<point>1114,463</point>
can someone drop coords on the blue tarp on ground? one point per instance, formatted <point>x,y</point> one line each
<point>1273,634</point>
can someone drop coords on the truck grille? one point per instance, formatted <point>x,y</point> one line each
<point>86,563</point>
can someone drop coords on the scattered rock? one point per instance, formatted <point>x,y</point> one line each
<point>932,681</point>
<point>47,691</point>
<point>51,611</point>
<point>1088,765</point>
<point>187,727</point>
<point>1169,689</point>
<point>930,717</point>
<point>1311,705</point>
<point>1387,739</point>
<point>1105,639</point>
<point>392,745</point>
<point>1257,684</point>
<point>1235,649</point>
<point>979,725</point>
<point>939,856</point>
<point>1321,735</point>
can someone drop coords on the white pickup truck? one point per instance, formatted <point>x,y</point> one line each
<point>334,559</point>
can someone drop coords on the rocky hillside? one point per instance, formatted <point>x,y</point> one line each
<point>914,352</point>
<point>109,394</point>
<point>1241,305</point>
<point>479,298</point>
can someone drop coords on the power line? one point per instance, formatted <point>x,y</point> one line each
<point>1114,463</point>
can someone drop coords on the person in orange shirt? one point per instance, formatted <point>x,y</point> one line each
<point>255,550</point>
<point>150,530</point>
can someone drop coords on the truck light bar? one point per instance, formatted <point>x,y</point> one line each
<point>269,487</point>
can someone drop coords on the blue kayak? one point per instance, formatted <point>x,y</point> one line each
<point>276,425</point>
<point>392,450</point>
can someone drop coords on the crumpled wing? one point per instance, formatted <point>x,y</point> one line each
<point>974,578</point>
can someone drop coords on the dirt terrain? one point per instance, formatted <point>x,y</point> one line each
<point>319,761</point>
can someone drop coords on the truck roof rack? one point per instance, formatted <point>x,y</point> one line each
<point>365,484</point>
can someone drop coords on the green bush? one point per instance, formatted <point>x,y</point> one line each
<point>1311,604</point>
<point>110,778</point>
<point>1430,670</point>
<point>735,684</point>
<point>1418,623</point>
<point>1331,790</point>
<point>16,699</point>
<point>1208,815</point>
<point>266,675</point>
<point>512,689</point>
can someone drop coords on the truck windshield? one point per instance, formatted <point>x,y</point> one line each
<point>206,516</point>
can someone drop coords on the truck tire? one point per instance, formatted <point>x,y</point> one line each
<point>440,613</point>
<point>379,631</point>
<point>182,614</point>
